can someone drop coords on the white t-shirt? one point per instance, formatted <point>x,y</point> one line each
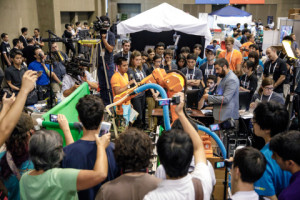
<point>245,195</point>
<point>183,188</point>
<point>161,173</point>
<point>68,81</point>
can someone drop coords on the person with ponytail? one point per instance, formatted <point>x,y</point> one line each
<point>266,93</point>
<point>137,73</point>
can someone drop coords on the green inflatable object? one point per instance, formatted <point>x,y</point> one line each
<point>68,108</point>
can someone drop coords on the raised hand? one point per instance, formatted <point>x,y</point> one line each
<point>28,81</point>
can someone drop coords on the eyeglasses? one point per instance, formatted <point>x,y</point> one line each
<point>269,88</point>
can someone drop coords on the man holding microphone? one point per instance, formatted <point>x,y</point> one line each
<point>43,82</point>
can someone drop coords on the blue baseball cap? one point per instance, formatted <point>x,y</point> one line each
<point>210,48</point>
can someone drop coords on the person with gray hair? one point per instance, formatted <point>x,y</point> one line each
<point>47,180</point>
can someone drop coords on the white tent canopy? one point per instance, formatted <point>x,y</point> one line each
<point>165,18</point>
<point>229,20</point>
<point>230,16</point>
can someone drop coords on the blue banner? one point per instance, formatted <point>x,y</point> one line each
<point>211,1</point>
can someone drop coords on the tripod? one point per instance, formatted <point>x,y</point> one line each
<point>50,33</point>
<point>102,53</point>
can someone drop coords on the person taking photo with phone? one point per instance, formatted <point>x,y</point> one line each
<point>82,154</point>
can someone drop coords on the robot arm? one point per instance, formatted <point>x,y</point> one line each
<point>172,81</point>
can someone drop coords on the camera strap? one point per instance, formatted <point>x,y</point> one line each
<point>12,165</point>
<point>61,57</point>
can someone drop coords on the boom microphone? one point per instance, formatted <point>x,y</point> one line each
<point>41,55</point>
<point>64,40</point>
<point>131,77</point>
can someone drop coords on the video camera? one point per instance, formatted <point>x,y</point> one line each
<point>228,124</point>
<point>74,66</point>
<point>233,135</point>
<point>100,26</point>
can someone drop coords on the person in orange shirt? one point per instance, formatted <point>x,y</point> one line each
<point>120,83</point>
<point>245,47</point>
<point>233,56</point>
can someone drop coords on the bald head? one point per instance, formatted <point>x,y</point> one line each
<point>272,53</point>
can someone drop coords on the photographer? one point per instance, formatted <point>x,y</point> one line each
<point>58,67</point>
<point>82,154</point>
<point>175,149</point>
<point>75,76</point>
<point>43,82</point>
<point>107,43</point>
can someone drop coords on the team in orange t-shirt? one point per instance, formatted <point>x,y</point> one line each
<point>119,81</point>
<point>233,57</point>
<point>245,47</point>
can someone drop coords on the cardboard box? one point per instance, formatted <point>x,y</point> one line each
<point>293,11</point>
<point>295,16</point>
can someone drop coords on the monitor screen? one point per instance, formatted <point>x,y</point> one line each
<point>285,31</point>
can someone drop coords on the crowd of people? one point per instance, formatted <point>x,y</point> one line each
<point>35,165</point>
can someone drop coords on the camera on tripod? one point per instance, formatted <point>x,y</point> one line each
<point>100,26</point>
<point>74,66</point>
